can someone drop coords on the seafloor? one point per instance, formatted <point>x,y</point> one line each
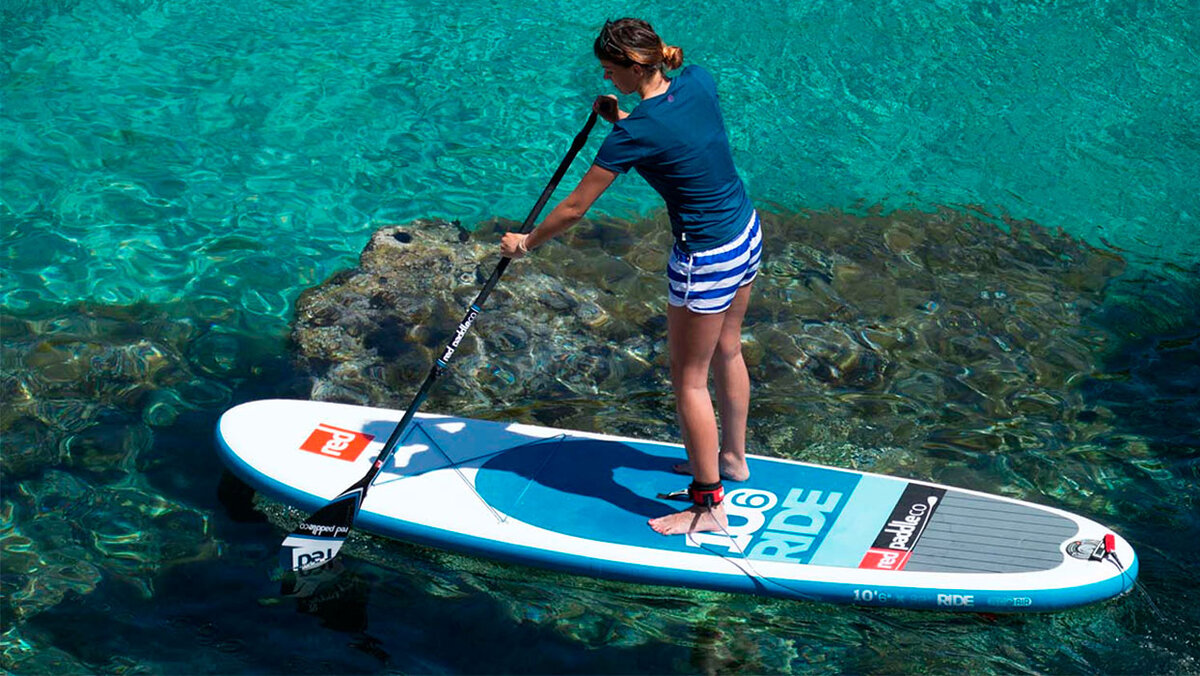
<point>951,346</point>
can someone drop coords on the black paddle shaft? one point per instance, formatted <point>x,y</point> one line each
<point>476,306</point>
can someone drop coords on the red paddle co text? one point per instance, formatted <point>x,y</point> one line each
<point>335,442</point>
<point>894,544</point>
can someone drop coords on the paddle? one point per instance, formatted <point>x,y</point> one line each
<point>316,541</point>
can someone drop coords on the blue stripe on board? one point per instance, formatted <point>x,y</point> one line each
<point>604,490</point>
<point>860,521</point>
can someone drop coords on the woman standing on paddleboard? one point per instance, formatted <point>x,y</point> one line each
<point>675,138</point>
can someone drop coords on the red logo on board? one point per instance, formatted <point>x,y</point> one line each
<point>885,559</point>
<point>336,442</point>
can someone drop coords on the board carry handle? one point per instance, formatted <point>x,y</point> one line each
<point>318,539</point>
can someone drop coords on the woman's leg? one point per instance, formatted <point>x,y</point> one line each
<point>733,392</point>
<point>733,389</point>
<point>692,338</point>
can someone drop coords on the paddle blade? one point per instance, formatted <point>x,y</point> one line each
<point>316,541</point>
<point>303,584</point>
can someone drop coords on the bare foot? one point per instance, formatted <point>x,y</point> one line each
<point>732,470</point>
<point>695,519</point>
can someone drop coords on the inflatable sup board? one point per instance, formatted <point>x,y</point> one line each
<point>579,502</point>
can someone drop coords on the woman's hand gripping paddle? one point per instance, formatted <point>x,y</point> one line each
<point>316,541</point>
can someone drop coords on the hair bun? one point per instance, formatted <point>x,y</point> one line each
<point>672,57</point>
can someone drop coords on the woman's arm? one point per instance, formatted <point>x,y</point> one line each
<point>564,215</point>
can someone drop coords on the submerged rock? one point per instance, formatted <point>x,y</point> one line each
<point>61,535</point>
<point>79,388</point>
<point>942,333</point>
<point>566,325</point>
<point>84,392</point>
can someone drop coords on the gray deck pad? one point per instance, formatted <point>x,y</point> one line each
<point>977,534</point>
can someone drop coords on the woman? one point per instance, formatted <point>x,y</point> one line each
<point>675,138</point>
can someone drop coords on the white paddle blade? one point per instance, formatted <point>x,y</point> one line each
<point>316,541</point>
<point>305,553</point>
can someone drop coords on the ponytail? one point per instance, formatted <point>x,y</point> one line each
<point>672,57</point>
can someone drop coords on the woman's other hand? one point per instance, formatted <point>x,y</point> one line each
<point>606,107</point>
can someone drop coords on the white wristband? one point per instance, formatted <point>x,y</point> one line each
<point>521,244</point>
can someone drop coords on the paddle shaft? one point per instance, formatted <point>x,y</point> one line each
<point>475,308</point>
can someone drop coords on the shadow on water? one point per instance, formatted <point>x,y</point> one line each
<point>1151,379</point>
<point>1149,385</point>
<point>366,619</point>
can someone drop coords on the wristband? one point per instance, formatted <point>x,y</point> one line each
<point>521,244</point>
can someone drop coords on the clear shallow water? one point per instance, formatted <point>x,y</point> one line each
<point>210,162</point>
<point>156,141</point>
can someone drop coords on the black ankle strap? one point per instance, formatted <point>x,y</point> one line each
<point>706,495</point>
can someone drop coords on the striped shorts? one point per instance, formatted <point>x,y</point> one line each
<point>706,281</point>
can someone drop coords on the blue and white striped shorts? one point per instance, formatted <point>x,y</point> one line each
<point>706,281</point>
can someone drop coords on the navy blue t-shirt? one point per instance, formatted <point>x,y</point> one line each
<point>677,142</point>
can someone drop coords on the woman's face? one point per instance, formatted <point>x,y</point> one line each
<point>625,78</point>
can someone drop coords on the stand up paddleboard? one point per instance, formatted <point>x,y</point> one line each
<point>579,502</point>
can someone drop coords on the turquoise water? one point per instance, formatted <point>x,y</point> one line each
<point>184,170</point>
<point>262,141</point>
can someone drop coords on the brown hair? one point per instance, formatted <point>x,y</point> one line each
<point>629,41</point>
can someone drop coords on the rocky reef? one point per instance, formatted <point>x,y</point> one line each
<point>570,326</point>
<point>85,393</point>
<point>936,335</point>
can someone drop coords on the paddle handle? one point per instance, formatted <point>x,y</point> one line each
<point>476,305</point>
